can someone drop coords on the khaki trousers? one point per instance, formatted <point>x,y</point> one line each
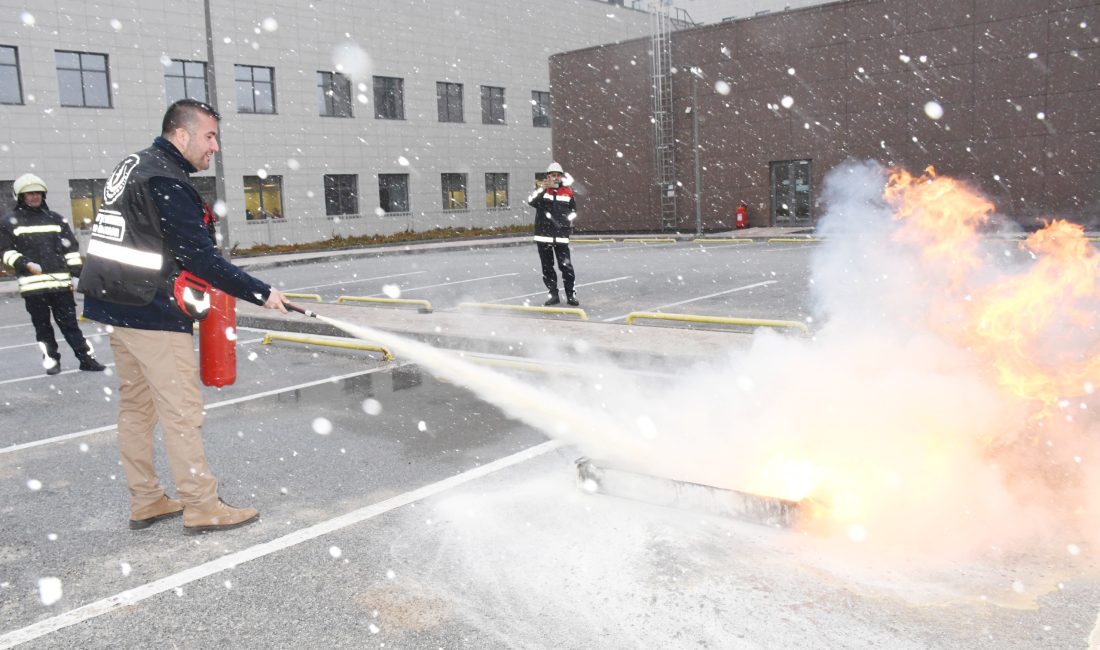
<point>159,381</point>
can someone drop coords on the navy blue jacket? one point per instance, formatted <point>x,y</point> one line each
<point>187,239</point>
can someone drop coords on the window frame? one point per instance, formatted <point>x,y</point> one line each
<point>388,95</point>
<point>450,189</point>
<point>81,70</point>
<point>85,189</point>
<point>337,203</point>
<point>444,99</point>
<point>18,76</point>
<point>252,84</point>
<point>327,87</point>
<point>488,114</point>
<point>265,185</point>
<point>385,183</point>
<point>493,189</point>
<point>185,79</point>
<point>540,111</point>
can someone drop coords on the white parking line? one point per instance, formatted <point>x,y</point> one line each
<point>447,284</point>
<point>684,302</point>
<point>543,293</point>
<point>213,405</point>
<point>7,327</point>
<point>174,581</point>
<point>334,284</point>
<point>109,365</point>
<point>21,345</point>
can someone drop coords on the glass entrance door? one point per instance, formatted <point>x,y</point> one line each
<point>792,193</point>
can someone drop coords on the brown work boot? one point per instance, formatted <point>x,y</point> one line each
<point>148,515</point>
<point>221,516</point>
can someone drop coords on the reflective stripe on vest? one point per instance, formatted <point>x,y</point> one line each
<point>72,259</point>
<point>11,256</point>
<point>33,230</point>
<point>124,255</point>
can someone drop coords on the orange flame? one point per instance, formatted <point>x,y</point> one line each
<point>940,215</point>
<point>1033,332</point>
<point>1035,328</point>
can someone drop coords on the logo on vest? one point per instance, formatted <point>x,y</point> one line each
<point>117,182</point>
<point>109,225</point>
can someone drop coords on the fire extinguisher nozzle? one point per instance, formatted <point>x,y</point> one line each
<point>298,309</point>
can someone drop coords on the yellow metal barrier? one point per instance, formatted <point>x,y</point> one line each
<point>591,241</point>
<point>650,240</point>
<point>792,240</point>
<point>545,310</point>
<point>730,240</point>
<point>720,320</point>
<point>305,296</point>
<point>332,343</point>
<point>424,307</point>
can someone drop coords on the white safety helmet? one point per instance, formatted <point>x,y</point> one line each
<point>28,183</point>
<point>555,167</point>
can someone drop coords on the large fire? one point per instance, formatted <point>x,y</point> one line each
<point>1027,328</point>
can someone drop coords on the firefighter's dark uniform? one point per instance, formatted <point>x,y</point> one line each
<point>41,236</point>
<point>555,209</point>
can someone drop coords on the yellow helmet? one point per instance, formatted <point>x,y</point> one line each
<point>28,183</point>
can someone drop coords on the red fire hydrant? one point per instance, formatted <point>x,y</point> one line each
<point>742,216</point>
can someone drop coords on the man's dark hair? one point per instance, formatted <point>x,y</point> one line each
<point>182,115</point>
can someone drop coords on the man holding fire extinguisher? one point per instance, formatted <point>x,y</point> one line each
<point>149,265</point>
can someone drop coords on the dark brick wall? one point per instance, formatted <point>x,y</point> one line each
<point>863,72</point>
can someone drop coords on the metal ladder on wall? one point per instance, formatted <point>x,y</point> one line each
<point>664,140</point>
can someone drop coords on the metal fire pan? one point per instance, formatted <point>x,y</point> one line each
<point>682,495</point>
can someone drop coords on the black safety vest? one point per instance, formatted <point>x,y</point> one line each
<point>126,261</point>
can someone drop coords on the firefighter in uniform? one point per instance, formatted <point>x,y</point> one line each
<point>555,209</point>
<point>153,226</point>
<point>40,246</point>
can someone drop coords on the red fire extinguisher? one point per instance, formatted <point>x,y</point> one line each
<point>218,340</point>
<point>742,216</point>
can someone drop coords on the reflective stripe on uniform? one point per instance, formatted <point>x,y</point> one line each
<point>73,259</point>
<point>45,281</point>
<point>124,255</point>
<point>11,256</point>
<point>551,240</point>
<point>33,230</point>
<point>561,197</point>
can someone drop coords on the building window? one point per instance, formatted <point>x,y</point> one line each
<point>82,79</point>
<point>454,191</point>
<point>255,89</point>
<point>341,194</point>
<point>85,197</point>
<point>448,96</point>
<point>496,190</point>
<point>185,80</point>
<point>11,88</point>
<point>389,98</point>
<point>263,197</point>
<point>334,94</point>
<point>393,192</point>
<point>7,200</point>
<point>540,108</point>
<point>492,105</point>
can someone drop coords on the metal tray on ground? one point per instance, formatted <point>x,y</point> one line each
<point>682,495</point>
